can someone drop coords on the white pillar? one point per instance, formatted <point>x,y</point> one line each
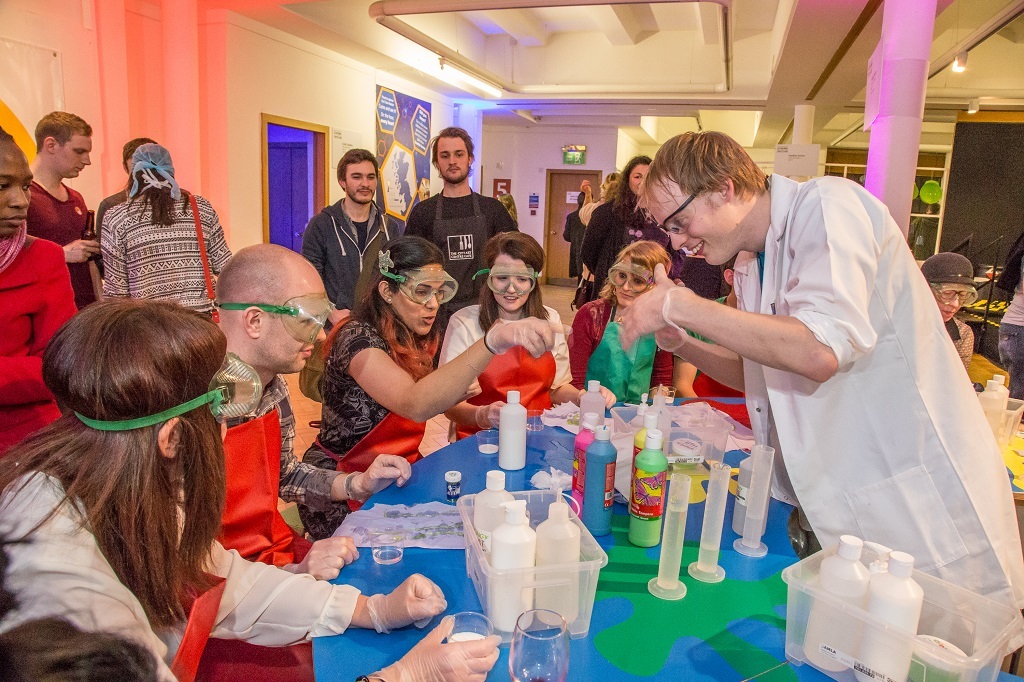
<point>179,20</point>
<point>907,27</point>
<point>803,123</point>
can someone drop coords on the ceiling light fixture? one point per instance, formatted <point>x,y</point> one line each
<point>974,105</point>
<point>960,62</point>
<point>462,77</point>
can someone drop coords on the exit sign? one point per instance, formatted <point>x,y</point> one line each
<point>574,154</point>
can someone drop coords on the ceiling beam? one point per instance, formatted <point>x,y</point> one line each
<point>522,25</point>
<point>623,24</point>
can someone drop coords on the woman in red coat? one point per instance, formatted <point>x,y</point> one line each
<point>35,300</point>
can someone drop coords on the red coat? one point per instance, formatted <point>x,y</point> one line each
<point>35,300</point>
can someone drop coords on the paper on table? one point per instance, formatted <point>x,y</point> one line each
<point>431,525</point>
<point>566,415</point>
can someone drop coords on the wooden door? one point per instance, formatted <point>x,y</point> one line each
<point>562,187</point>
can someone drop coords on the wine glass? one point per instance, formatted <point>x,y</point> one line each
<point>540,648</point>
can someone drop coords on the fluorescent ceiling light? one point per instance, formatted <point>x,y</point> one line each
<point>974,105</point>
<point>463,78</point>
<point>960,62</point>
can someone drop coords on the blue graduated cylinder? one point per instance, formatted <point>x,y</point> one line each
<point>599,484</point>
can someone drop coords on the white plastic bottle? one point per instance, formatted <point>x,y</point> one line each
<point>488,512</point>
<point>558,542</point>
<point>831,633</point>
<point>993,402</point>
<point>593,401</point>
<point>895,598</point>
<point>512,434</point>
<point>513,546</point>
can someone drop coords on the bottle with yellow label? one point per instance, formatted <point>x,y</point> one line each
<point>647,492</point>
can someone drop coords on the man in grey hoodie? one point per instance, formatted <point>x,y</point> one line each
<point>342,241</point>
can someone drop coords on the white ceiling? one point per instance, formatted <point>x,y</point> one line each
<point>734,65</point>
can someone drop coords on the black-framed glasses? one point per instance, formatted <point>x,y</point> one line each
<point>663,225</point>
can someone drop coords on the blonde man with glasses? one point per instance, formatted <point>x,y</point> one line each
<point>951,277</point>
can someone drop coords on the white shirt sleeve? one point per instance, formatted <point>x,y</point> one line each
<point>563,374</point>
<point>463,331</point>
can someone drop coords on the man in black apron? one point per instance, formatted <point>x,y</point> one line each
<point>458,220</point>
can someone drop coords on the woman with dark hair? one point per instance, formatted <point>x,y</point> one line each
<point>119,503</point>
<point>617,222</point>
<point>379,385</point>
<point>163,243</point>
<point>514,261</point>
<point>594,348</point>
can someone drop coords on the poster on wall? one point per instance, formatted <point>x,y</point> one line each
<point>32,86</point>
<point>403,138</point>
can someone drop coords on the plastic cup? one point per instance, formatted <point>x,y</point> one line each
<point>487,442</point>
<point>533,420</point>
<point>668,391</point>
<point>387,545</point>
<point>469,626</point>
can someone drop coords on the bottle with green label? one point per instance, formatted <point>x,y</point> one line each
<point>647,492</point>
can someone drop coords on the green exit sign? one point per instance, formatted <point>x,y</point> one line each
<point>574,154</point>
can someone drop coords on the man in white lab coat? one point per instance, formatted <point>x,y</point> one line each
<point>847,368</point>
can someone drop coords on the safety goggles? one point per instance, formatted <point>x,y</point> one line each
<point>946,293</point>
<point>235,391</point>
<point>303,316</point>
<point>640,278</point>
<point>419,285</point>
<point>504,280</point>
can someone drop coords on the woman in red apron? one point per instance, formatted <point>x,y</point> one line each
<point>379,386</point>
<point>119,502</point>
<point>514,261</point>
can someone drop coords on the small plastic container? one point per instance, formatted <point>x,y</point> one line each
<point>1010,422</point>
<point>583,575</point>
<point>487,442</point>
<point>975,631</point>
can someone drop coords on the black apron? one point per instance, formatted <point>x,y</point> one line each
<point>462,242</point>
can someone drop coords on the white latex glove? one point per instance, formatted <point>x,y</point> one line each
<point>609,397</point>
<point>326,558</point>
<point>416,601</point>
<point>380,474</point>
<point>535,335</point>
<point>670,340</point>
<point>487,416</point>
<point>646,315</point>
<point>431,660</point>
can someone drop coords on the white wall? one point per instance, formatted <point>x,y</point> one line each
<point>525,155</point>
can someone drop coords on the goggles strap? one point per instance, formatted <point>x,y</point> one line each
<point>215,396</point>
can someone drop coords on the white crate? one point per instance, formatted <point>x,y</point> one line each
<point>545,587</point>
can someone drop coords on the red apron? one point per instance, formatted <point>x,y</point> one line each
<point>252,524</point>
<point>201,618</point>
<point>512,370</point>
<point>706,387</point>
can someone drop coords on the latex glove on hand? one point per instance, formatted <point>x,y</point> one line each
<point>380,474</point>
<point>487,416</point>
<point>326,558</point>
<point>535,335</point>
<point>415,601</point>
<point>432,660</point>
<point>609,397</point>
<point>647,314</point>
<point>670,340</point>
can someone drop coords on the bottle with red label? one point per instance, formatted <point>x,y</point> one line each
<point>579,456</point>
<point>647,492</point>
<point>599,486</point>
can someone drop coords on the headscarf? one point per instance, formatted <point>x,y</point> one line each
<point>11,246</point>
<point>151,161</point>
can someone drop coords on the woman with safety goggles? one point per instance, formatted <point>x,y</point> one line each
<point>380,387</point>
<point>951,277</point>
<point>514,261</point>
<point>594,348</point>
<point>119,503</point>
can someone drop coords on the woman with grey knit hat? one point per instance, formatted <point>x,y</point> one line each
<point>951,277</point>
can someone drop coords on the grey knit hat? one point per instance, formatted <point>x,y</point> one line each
<point>948,268</point>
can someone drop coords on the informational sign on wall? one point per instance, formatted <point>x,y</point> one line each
<point>403,138</point>
<point>501,186</point>
<point>797,159</point>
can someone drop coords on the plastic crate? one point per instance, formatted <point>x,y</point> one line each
<point>980,628</point>
<point>566,588</point>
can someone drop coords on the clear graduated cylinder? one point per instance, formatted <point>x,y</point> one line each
<point>750,544</point>
<point>668,585</point>
<point>706,568</point>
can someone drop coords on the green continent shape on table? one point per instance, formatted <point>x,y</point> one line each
<point>640,645</point>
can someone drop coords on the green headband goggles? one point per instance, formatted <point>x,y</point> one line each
<point>504,280</point>
<point>419,285</point>
<point>303,316</point>
<point>235,391</point>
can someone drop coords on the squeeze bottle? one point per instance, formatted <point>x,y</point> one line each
<point>895,598</point>
<point>593,401</point>
<point>513,546</point>
<point>488,512</point>
<point>739,508</point>
<point>512,434</point>
<point>599,489</point>
<point>647,492</point>
<point>579,454</point>
<point>558,542</point>
<point>640,439</point>
<point>843,576</point>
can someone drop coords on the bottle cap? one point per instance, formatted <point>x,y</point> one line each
<point>512,398</point>
<point>850,547</point>
<point>602,433</point>
<point>495,480</point>
<point>594,385</point>
<point>993,385</point>
<point>651,420</point>
<point>643,399</point>
<point>515,511</point>
<point>1000,379</point>
<point>453,477</point>
<point>558,511</point>
<point>654,440</point>
<point>590,420</point>
<point>901,564</point>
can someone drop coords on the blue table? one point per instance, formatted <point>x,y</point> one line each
<point>726,632</point>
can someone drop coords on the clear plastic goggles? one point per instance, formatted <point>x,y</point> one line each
<point>303,317</point>
<point>640,278</point>
<point>504,280</point>
<point>235,391</point>
<point>420,285</point>
<point>952,293</point>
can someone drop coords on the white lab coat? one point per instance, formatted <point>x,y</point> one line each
<point>895,447</point>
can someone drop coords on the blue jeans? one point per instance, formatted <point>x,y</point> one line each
<point>1011,354</point>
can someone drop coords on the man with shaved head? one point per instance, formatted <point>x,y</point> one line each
<point>273,308</point>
